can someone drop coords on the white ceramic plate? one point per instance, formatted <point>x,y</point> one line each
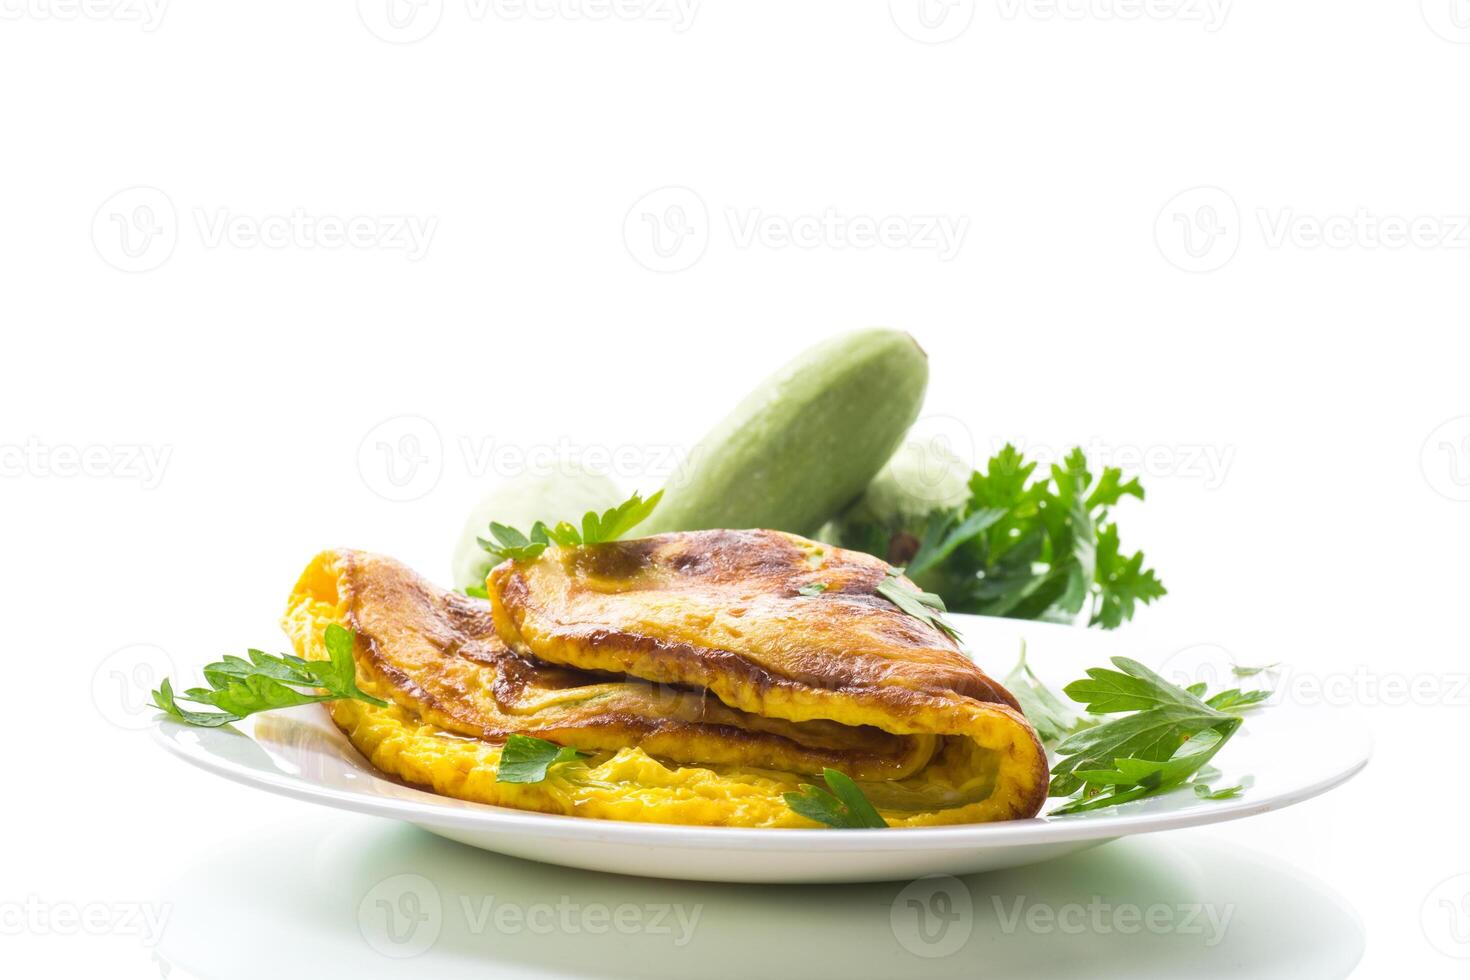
<point>1293,752</point>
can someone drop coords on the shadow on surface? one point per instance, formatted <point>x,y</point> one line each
<point>367,897</point>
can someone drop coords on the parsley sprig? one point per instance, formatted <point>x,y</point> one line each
<point>595,528</point>
<point>1028,545</point>
<point>1164,737</point>
<point>239,687</point>
<point>844,807</point>
<point>926,606</point>
<point>527,759</point>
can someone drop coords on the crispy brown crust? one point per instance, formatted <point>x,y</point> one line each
<point>847,638</point>
<point>698,649</point>
<point>436,654</point>
<point>723,611</point>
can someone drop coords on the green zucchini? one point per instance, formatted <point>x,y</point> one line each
<point>805,443</point>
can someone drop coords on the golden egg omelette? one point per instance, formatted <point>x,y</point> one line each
<point>704,674</point>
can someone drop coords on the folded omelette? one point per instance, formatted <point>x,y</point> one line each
<point>703,672</point>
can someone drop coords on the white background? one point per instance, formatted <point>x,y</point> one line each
<point>1300,321</point>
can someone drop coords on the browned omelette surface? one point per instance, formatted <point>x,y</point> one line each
<point>691,665</point>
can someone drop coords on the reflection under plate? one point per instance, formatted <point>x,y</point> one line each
<point>351,895</point>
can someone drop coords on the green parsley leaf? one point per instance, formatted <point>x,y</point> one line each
<point>845,807</point>
<point>619,520</point>
<point>922,605</point>
<point>526,759</point>
<point>1133,687</point>
<point>1163,718</point>
<point>946,531</point>
<point>1003,483</point>
<point>1164,737</point>
<point>610,525</point>
<point>510,543</point>
<point>1237,700</point>
<point>1153,773</point>
<point>812,588</point>
<point>1240,671</point>
<point>239,687</point>
<point>1028,544</point>
<point>163,699</point>
<point>1122,582</point>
